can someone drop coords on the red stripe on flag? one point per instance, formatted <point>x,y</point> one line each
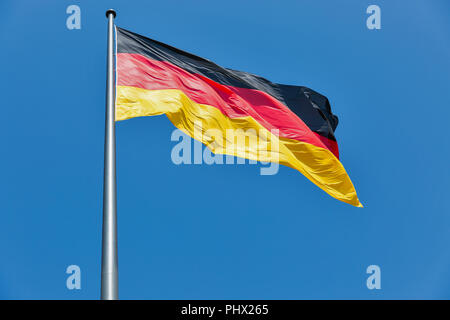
<point>139,71</point>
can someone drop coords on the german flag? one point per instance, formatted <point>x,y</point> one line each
<point>200,97</point>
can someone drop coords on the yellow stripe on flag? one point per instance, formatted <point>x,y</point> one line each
<point>209,125</point>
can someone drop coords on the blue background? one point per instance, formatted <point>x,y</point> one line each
<point>223,232</point>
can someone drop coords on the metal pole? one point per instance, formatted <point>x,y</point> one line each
<point>110,290</point>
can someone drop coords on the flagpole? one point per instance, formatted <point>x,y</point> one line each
<point>109,285</point>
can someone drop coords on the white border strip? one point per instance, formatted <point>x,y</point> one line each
<point>115,71</point>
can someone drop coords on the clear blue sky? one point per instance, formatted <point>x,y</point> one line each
<point>221,232</point>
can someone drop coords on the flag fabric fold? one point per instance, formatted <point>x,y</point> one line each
<point>205,101</point>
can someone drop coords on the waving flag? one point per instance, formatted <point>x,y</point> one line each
<point>197,95</point>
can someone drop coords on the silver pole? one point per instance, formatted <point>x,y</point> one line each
<point>110,290</point>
